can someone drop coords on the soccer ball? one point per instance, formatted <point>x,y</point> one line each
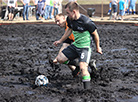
<point>41,80</point>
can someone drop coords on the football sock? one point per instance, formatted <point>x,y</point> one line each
<point>86,81</point>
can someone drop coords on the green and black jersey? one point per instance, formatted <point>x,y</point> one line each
<point>82,29</point>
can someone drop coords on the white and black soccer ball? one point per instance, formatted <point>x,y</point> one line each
<point>41,80</point>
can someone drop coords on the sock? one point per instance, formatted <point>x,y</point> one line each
<point>66,62</point>
<point>127,10</point>
<point>134,12</point>
<point>130,12</point>
<point>109,11</point>
<point>86,81</point>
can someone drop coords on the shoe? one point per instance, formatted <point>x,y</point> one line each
<point>92,65</point>
<point>76,72</point>
<point>50,61</point>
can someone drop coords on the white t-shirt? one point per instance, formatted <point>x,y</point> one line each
<point>47,2</point>
<point>11,3</point>
<point>36,1</point>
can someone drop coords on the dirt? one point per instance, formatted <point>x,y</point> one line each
<point>24,51</point>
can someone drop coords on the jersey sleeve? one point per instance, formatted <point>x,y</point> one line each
<point>91,27</point>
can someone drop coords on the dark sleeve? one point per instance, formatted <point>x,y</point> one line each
<point>91,27</point>
<point>68,22</point>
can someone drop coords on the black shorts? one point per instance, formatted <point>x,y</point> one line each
<point>73,52</point>
<point>11,10</point>
<point>68,41</point>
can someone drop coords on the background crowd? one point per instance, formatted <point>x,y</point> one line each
<point>125,7</point>
<point>47,9</point>
<point>44,9</point>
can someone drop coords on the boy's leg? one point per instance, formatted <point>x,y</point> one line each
<point>85,75</point>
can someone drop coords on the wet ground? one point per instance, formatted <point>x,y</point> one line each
<point>24,51</point>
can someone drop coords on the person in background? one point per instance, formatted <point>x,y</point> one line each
<point>51,9</point>
<point>35,3</point>
<point>132,6</point>
<point>41,8</point>
<point>25,8</point>
<point>110,8</point>
<point>126,7</point>
<point>121,8</point>
<point>11,7</point>
<point>47,9</point>
<point>60,6</point>
<point>56,6</point>
<point>114,8</point>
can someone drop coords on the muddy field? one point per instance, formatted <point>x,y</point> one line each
<point>24,51</point>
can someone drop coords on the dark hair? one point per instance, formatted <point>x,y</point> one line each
<point>72,6</point>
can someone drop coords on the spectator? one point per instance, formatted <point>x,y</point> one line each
<point>114,7</point>
<point>56,6</point>
<point>121,8</point>
<point>51,9</point>
<point>35,3</point>
<point>110,8</point>
<point>11,8</point>
<point>25,8</point>
<point>41,8</point>
<point>60,6</point>
<point>132,6</point>
<point>126,7</point>
<point>47,9</point>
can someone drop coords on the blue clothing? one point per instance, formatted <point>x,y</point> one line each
<point>121,12</point>
<point>40,6</point>
<point>47,10</point>
<point>25,11</point>
<point>50,12</point>
<point>132,5</point>
<point>121,4</point>
<point>132,2</point>
<point>110,5</point>
<point>126,3</point>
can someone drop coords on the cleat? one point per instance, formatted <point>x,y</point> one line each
<point>76,72</point>
<point>92,65</point>
<point>51,61</point>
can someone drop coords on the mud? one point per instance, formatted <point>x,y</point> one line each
<point>24,51</point>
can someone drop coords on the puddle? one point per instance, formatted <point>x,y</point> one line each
<point>121,49</point>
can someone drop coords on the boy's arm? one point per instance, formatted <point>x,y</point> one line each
<point>97,41</point>
<point>64,37</point>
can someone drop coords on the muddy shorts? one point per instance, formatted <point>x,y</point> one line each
<point>72,52</point>
<point>68,41</point>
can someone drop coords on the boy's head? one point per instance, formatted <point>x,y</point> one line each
<point>72,8</point>
<point>60,20</point>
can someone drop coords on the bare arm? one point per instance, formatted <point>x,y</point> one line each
<point>16,4</point>
<point>97,42</point>
<point>22,2</point>
<point>64,37</point>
